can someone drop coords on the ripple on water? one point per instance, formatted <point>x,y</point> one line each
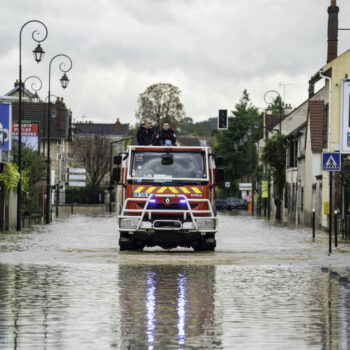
<point>98,306</point>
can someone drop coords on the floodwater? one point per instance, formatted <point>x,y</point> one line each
<point>67,286</point>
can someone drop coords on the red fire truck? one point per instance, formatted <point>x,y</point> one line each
<point>166,197</point>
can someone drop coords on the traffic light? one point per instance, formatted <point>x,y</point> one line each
<point>222,120</point>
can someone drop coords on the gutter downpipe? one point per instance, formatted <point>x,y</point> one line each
<point>330,107</point>
<point>330,173</point>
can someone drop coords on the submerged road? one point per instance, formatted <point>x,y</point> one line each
<point>67,286</point>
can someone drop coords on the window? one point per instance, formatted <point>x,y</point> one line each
<point>149,165</point>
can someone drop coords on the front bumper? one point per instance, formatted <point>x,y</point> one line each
<point>188,220</point>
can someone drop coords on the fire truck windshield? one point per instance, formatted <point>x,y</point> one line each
<point>185,165</point>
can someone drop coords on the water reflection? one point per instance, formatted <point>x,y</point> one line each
<point>178,308</point>
<point>151,309</point>
<point>100,306</point>
<point>181,308</point>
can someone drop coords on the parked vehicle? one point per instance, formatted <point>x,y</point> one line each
<point>236,203</point>
<point>221,204</point>
<point>167,197</point>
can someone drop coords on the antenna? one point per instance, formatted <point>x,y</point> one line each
<point>284,85</point>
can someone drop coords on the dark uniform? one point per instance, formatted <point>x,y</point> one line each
<point>164,135</point>
<point>145,136</point>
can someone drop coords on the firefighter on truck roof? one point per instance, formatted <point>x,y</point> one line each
<point>164,135</point>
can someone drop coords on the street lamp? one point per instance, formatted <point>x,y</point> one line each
<point>64,83</point>
<point>38,53</point>
<point>35,97</point>
<point>269,99</point>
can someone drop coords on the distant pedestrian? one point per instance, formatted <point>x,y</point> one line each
<point>164,135</point>
<point>145,134</point>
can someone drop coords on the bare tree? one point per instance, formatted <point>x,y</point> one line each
<point>161,103</point>
<point>92,152</point>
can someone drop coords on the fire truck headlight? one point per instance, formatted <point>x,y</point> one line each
<point>188,226</point>
<point>206,224</point>
<point>128,223</point>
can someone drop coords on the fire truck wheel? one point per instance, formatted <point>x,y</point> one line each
<point>206,244</point>
<point>126,242</point>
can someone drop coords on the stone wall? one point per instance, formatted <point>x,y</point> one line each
<point>65,210</point>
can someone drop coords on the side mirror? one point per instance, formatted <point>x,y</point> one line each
<point>116,175</point>
<point>219,175</point>
<point>117,160</point>
<point>219,161</point>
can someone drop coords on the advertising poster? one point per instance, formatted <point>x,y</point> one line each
<point>345,117</point>
<point>264,189</point>
<point>30,134</point>
<point>5,127</point>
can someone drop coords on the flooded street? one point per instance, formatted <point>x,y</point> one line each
<point>67,286</point>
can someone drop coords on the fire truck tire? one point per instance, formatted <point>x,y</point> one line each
<point>206,244</point>
<point>127,243</point>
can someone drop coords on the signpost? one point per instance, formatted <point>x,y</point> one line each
<point>77,177</point>
<point>331,162</point>
<point>30,134</point>
<point>345,117</point>
<point>5,133</point>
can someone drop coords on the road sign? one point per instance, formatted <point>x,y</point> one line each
<point>245,186</point>
<point>77,177</point>
<point>77,170</point>
<point>331,161</point>
<point>227,184</point>
<point>76,184</point>
<point>5,126</point>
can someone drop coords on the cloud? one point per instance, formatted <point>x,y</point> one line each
<point>211,49</point>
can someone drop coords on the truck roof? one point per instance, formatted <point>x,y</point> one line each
<point>171,148</point>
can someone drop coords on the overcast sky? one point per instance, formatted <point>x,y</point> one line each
<point>211,49</point>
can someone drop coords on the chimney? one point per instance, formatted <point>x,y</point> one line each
<point>333,11</point>
<point>311,88</point>
<point>117,127</point>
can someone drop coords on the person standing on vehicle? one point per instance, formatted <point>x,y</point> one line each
<point>145,134</point>
<point>164,135</point>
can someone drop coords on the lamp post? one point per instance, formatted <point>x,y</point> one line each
<point>64,83</point>
<point>44,126</point>
<point>33,86</point>
<point>268,98</point>
<point>38,53</point>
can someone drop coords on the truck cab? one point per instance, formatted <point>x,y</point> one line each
<point>166,197</point>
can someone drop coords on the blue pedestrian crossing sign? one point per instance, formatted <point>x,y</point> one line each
<point>331,162</point>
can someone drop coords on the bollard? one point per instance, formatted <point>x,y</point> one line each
<point>313,223</point>
<point>336,228</point>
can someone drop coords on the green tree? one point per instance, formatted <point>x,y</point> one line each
<point>161,103</point>
<point>277,105</point>
<point>33,170</point>
<point>274,156</point>
<point>203,128</point>
<point>240,162</point>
